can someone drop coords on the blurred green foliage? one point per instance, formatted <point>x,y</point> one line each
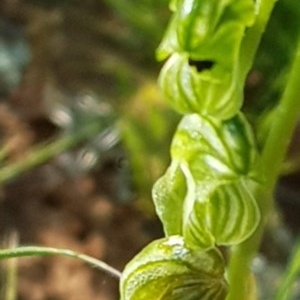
<point>275,52</point>
<point>147,127</point>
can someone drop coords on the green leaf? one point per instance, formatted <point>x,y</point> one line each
<point>214,148</point>
<point>168,270</point>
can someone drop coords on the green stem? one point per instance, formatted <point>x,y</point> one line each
<point>286,289</point>
<point>253,36</point>
<point>48,251</point>
<point>273,154</point>
<point>11,271</point>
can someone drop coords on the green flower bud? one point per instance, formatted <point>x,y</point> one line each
<point>167,270</point>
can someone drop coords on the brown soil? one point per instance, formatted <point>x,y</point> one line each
<point>45,208</point>
<point>49,205</point>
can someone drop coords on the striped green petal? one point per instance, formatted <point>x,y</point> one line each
<point>168,195</point>
<point>228,212</point>
<point>215,148</point>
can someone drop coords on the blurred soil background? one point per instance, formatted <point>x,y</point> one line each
<point>65,67</point>
<point>84,133</point>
